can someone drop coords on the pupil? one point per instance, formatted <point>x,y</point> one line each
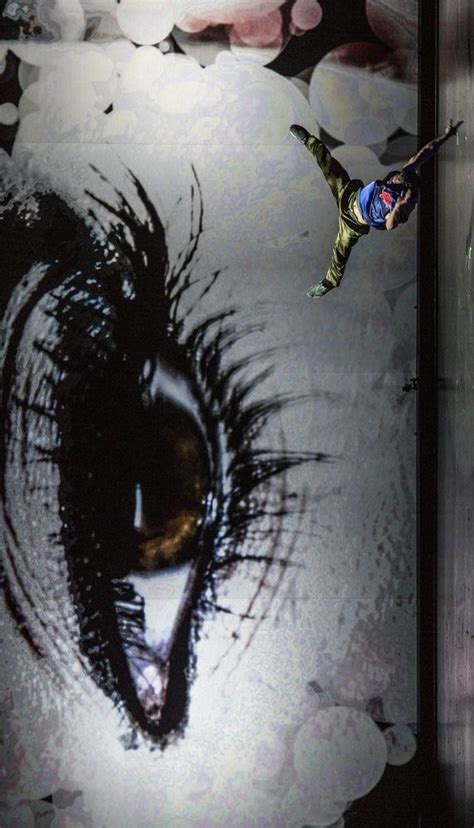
<point>172,483</point>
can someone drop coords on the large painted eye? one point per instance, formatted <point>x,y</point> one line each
<point>140,482</point>
<point>149,434</point>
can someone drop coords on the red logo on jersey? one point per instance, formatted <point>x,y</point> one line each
<point>386,198</point>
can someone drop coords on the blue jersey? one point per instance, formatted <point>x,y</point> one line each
<point>376,200</point>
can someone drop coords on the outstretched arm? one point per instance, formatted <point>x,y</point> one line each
<point>431,148</point>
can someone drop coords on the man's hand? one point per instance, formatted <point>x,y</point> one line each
<point>452,128</point>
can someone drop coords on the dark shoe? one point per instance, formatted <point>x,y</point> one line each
<point>300,133</point>
<point>320,289</point>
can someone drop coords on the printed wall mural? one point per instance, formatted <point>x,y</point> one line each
<point>208,479</point>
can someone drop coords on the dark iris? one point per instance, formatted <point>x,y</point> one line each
<point>138,475</point>
<point>172,484</point>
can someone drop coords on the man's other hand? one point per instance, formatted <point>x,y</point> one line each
<point>452,128</point>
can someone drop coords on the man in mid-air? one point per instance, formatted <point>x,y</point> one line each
<point>381,204</point>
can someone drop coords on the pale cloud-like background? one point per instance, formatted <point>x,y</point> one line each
<point>257,734</point>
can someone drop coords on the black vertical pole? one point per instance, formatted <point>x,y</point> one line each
<point>427,418</point>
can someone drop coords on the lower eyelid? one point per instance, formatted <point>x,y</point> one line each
<point>163,594</point>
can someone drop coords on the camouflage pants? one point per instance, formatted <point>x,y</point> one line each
<point>344,190</point>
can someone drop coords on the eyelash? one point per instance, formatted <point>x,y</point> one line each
<point>223,393</point>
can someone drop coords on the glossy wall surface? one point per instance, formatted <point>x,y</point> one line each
<point>209,612</point>
<point>456,419</point>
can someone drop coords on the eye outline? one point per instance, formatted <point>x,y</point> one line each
<point>207,342</point>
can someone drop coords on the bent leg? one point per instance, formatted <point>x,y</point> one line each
<point>345,241</point>
<point>334,173</point>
